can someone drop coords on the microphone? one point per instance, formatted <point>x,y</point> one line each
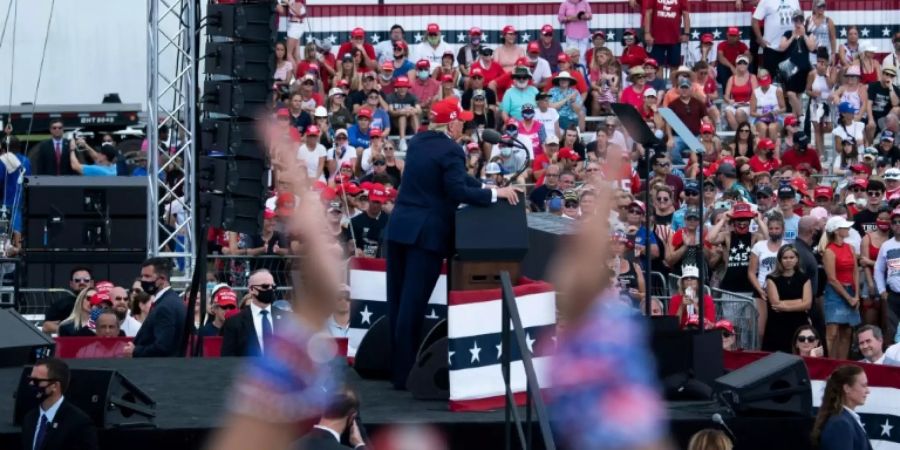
<point>717,418</point>
<point>492,137</point>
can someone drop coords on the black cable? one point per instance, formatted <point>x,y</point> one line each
<point>40,70</point>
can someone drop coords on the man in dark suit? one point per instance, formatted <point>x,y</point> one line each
<point>56,423</point>
<point>52,156</point>
<point>161,333</point>
<point>246,333</point>
<point>419,232</point>
<point>339,415</point>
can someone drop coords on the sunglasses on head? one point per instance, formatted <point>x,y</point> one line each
<point>807,338</point>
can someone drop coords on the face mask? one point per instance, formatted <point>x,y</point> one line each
<point>512,132</point>
<point>423,74</point>
<point>38,393</point>
<point>883,225</point>
<point>770,154</point>
<point>555,204</point>
<point>266,297</point>
<point>775,237</point>
<point>387,76</point>
<point>475,40</point>
<point>149,287</point>
<point>741,228</point>
<point>95,314</point>
<point>505,152</point>
<point>521,84</point>
<point>861,202</point>
<point>433,40</point>
<point>528,116</point>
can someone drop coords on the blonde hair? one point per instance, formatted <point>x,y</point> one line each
<point>710,439</point>
<point>77,316</point>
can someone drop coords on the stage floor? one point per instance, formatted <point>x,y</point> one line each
<point>191,394</point>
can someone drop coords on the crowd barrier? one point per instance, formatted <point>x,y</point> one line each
<point>97,347</point>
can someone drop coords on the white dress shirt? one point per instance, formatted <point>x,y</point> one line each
<point>50,413</point>
<point>257,322</point>
<point>337,436</point>
<point>855,416</point>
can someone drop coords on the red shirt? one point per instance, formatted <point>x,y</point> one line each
<point>665,20</point>
<point>709,309</point>
<point>632,97</point>
<point>347,47</point>
<point>633,55</point>
<point>758,165</point>
<point>843,262</point>
<point>732,51</point>
<point>794,159</point>
<point>491,73</point>
<point>541,162</point>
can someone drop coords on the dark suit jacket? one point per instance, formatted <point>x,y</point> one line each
<point>71,429</point>
<point>160,334</point>
<point>434,183</point>
<point>842,432</point>
<point>317,439</point>
<point>239,334</point>
<point>43,160</point>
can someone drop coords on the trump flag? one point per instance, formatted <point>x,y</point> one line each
<point>368,298</point>
<point>881,413</point>
<point>474,332</point>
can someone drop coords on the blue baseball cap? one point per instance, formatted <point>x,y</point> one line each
<point>692,185</point>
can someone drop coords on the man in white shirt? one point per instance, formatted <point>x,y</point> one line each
<point>432,47</point>
<point>871,343</point>
<point>547,116</point>
<point>540,67</point>
<point>384,50</point>
<point>338,416</point>
<point>776,16</point>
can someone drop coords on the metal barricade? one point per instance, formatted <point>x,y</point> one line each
<point>235,271</point>
<point>659,288</point>
<point>32,303</point>
<point>740,310</point>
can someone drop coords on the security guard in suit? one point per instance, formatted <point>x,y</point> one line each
<point>419,232</point>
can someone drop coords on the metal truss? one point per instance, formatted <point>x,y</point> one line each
<point>171,103</point>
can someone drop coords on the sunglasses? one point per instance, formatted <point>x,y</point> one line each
<point>228,308</point>
<point>874,193</point>
<point>691,193</point>
<point>571,204</point>
<point>35,380</point>
<point>81,280</point>
<point>763,197</point>
<point>635,211</point>
<point>727,334</point>
<point>709,189</point>
<point>665,164</point>
<point>340,138</point>
<point>745,130</point>
<point>378,163</point>
<point>662,199</point>
<point>809,339</point>
<point>263,287</point>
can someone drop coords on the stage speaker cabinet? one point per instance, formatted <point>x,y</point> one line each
<point>429,378</point>
<point>776,385</point>
<point>20,342</point>
<point>373,356</point>
<point>109,398</point>
<point>690,355</point>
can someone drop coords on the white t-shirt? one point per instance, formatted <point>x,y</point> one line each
<point>776,17</point>
<point>548,118</point>
<point>348,156</point>
<point>130,326</point>
<point>541,72</point>
<point>433,54</point>
<point>766,260</point>
<point>893,352</point>
<point>855,131</point>
<point>791,228</point>
<point>311,158</point>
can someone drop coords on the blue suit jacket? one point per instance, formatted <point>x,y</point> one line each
<point>842,432</point>
<point>434,183</point>
<point>160,334</point>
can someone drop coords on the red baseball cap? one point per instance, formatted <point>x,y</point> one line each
<point>399,44</point>
<point>706,128</point>
<point>533,47</point>
<point>388,66</point>
<point>364,112</point>
<point>823,191</point>
<point>726,325</point>
<point>283,113</point>
<point>448,110</point>
<point>401,82</point>
<point>508,29</point>
<point>225,296</point>
<point>706,38</point>
<point>547,29</point>
<point>377,193</point>
<point>343,83</point>
<point>568,153</point>
<point>375,132</point>
<point>476,72</point>
<point>765,144</point>
<point>423,64</point>
<point>104,286</point>
<point>742,210</point>
<point>284,204</point>
<point>523,61</point>
<point>563,58</point>
<point>733,31</point>
<point>348,189</point>
<point>474,31</point>
<point>600,34</point>
<point>446,78</point>
<point>313,130</point>
<point>268,214</point>
<point>511,121</point>
<point>433,28</point>
<point>861,182</point>
<point>358,33</point>
<point>99,298</point>
<point>790,120</point>
<point>765,80</point>
<point>328,194</point>
<point>651,62</point>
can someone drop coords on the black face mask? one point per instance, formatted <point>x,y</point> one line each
<point>267,297</point>
<point>39,393</point>
<point>149,287</point>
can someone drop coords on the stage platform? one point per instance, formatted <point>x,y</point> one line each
<point>191,395</point>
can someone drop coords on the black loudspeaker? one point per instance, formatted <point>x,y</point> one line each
<point>373,356</point>
<point>250,22</point>
<point>690,356</point>
<point>109,398</point>
<point>775,385</point>
<point>20,342</point>
<point>232,138</point>
<point>238,60</point>
<point>236,98</point>
<point>429,378</point>
<point>495,233</point>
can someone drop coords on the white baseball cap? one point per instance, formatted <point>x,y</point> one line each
<point>835,223</point>
<point>892,174</point>
<point>650,92</point>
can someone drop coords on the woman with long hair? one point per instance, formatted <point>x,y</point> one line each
<point>842,290</point>
<point>848,155</point>
<point>284,68</point>
<point>394,165</point>
<point>852,91</point>
<point>849,52</point>
<point>871,244</point>
<point>628,272</point>
<point>686,302</point>
<point>766,107</point>
<point>790,297</point>
<point>347,72</point>
<point>848,128</point>
<point>807,342</point>
<point>837,425</point>
<point>138,308</point>
<point>80,314</point>
<point>821,27</point>
<point>710,439</point>
<point>509,50</point>
<point>338,114</point>
<point>744,141</point>
<point>738,91</point>
<point>869,67</point>
<point>601,84</point>
<point>819,85</point>
<point>763,259</point>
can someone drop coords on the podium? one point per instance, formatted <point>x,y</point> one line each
<point>488,240</point>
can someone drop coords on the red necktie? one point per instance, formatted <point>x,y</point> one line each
<point>58,147</point>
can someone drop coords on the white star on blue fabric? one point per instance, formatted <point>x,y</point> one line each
<point>375,38</point>
<point>475,351</point>
<point>499,350</point>
<point>525,37</point>
<point>864,32</point>
<point>366,315</point>
<point>611,36</point>
<point>843,32</point>
<point>450,358</point>
<point>695,35</point>
<point>885,31</point>
<point>460,37</point>
<point>717,34</point>
<point>309,38</point>
<point>886,428</point>
<point>332,38</point>
<point>418,37</point>
<point>529,342</point>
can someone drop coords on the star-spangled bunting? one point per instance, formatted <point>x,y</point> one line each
<point>366,315</point>
<point>375,38</point>
<point>332,38</point>
<point>611,36</point>
<point>885,32</point>
<point>460,37</point>
<point>716,34</point>
<point>418,37</point>
<point>538,340</point>
<point>843,32</point>
<point>475,351</point>
<point>525,37</point>
<point>695,35</point>
<point>864,32</point>
<point>450,357</point>
<point>886,428</point>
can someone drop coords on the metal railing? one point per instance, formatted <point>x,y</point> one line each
<point>235,270</point>
<point>510,315</point>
